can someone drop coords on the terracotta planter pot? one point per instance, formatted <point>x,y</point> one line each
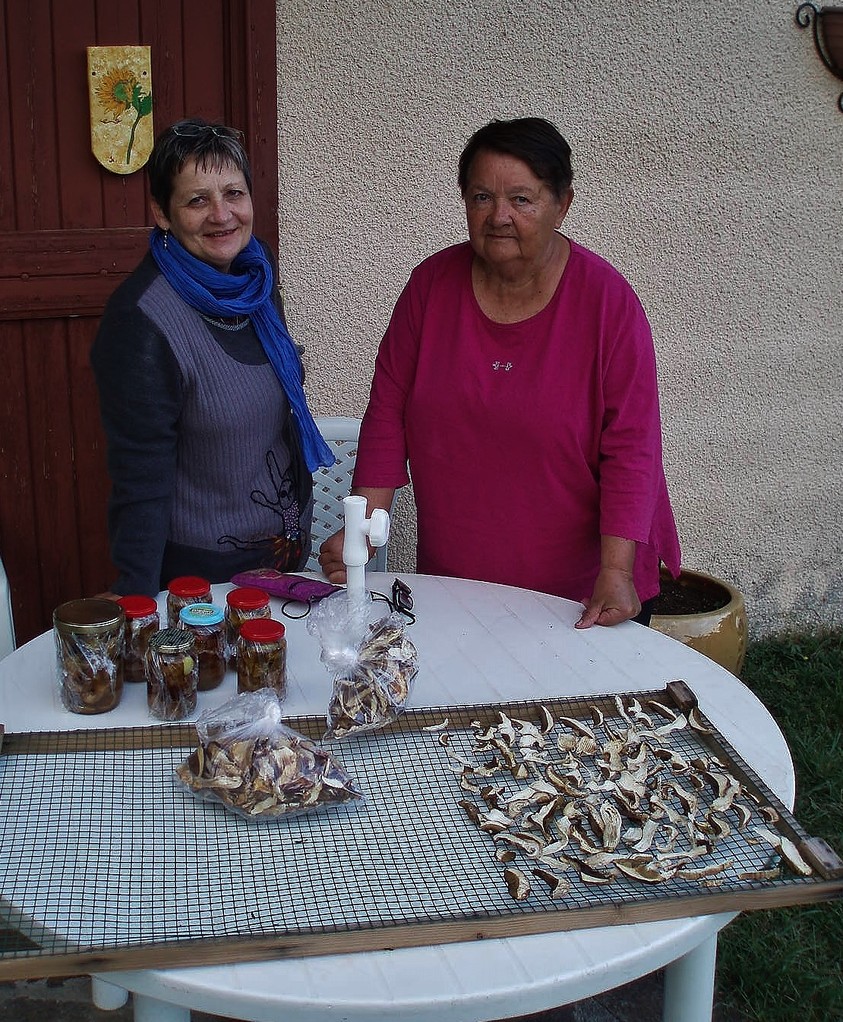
<point>720,634</point>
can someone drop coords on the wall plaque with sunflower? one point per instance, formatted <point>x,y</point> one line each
<point>120,91</point>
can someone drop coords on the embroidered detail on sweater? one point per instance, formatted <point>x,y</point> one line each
<point>286,545</point>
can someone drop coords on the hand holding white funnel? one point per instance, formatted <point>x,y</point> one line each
<point>359,532</point>
<point>344,619</point>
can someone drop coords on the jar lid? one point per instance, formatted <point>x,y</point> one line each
<point>247,598</point>
<point>189,585</point>
<point>88,615</point>
<point>201,615</point>
<point>172,640</point>
<point>138,606</point>
<point>262,629</point>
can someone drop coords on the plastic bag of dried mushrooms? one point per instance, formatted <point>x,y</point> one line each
<point>374,664</point>
<point>259,768</point>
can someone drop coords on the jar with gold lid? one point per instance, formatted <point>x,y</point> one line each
<point>141,624</point>
<point>89,636</point>
<point>262,656</point>
<point>172,674</point>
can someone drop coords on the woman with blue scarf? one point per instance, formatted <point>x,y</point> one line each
<point>211,444</point>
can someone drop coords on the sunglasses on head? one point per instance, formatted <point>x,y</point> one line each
<point>195,130</point>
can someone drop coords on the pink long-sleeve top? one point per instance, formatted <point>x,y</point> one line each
<point>526,441</point>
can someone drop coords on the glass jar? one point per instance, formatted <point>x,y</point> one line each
<point>262,656</point>
<point>89,654</point>
<point>207,625</point>
<point>182,592</point>
<point>172,674</point>
<point>141,624</point>
<point>243,604</point>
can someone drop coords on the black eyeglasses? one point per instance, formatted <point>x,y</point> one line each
<point>195,130</point>
<point>402,597</point>
<point>401,601</point>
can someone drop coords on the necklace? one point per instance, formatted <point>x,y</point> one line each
<point>234,323</point>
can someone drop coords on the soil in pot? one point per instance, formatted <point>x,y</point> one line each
<point>676,598</point>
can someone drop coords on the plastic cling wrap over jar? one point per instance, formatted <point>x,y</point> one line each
<point>89,654</point>
<point>246,603</point>
<point>262,656</point>
<point>183,591</point>
<point>141,624</point>
<point>373,661</point>
<point>206,623</point>
<point>172,674</point>
<point>259,768</point>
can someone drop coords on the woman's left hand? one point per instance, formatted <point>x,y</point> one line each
<point>614,599</point>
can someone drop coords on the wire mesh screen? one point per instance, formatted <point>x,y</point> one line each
<point>103,850</point>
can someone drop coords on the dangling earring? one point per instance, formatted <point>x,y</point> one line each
<point>166,237</point>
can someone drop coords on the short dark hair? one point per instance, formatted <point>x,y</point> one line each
<point>211,145</point>
<point>532,139</point>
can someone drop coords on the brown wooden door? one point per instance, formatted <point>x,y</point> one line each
<point>71,230</point>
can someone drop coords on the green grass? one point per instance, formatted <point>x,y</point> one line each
<point>784,965</point>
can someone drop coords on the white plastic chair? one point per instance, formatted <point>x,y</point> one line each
<point>7,624</point>
<point>330,485</point>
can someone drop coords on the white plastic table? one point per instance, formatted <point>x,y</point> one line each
<point>477,643</point>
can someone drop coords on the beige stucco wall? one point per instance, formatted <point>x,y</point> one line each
<point>708,151</point>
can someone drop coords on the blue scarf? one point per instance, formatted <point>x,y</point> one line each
<point>246,291</point>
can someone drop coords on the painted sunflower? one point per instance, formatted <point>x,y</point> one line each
<point>114,92</point>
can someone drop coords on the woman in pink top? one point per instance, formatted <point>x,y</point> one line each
<point>517,383</point>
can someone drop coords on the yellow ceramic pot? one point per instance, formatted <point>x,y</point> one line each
<point>720,634</point>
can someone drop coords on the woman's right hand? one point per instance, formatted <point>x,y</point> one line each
<point>330,559</point>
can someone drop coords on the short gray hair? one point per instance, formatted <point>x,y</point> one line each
<point>211,145</point>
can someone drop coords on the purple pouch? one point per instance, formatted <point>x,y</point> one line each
<point>285,586</point>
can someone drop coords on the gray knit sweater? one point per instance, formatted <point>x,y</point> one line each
<point>206,469</point>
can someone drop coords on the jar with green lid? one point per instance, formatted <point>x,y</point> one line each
<point>172,674</point>
<point>182,592</point>
<point>245,603</point>
<point>262,656</point>
<point>141,624</point>
<point>207,625</point>
<point>89,654</point>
